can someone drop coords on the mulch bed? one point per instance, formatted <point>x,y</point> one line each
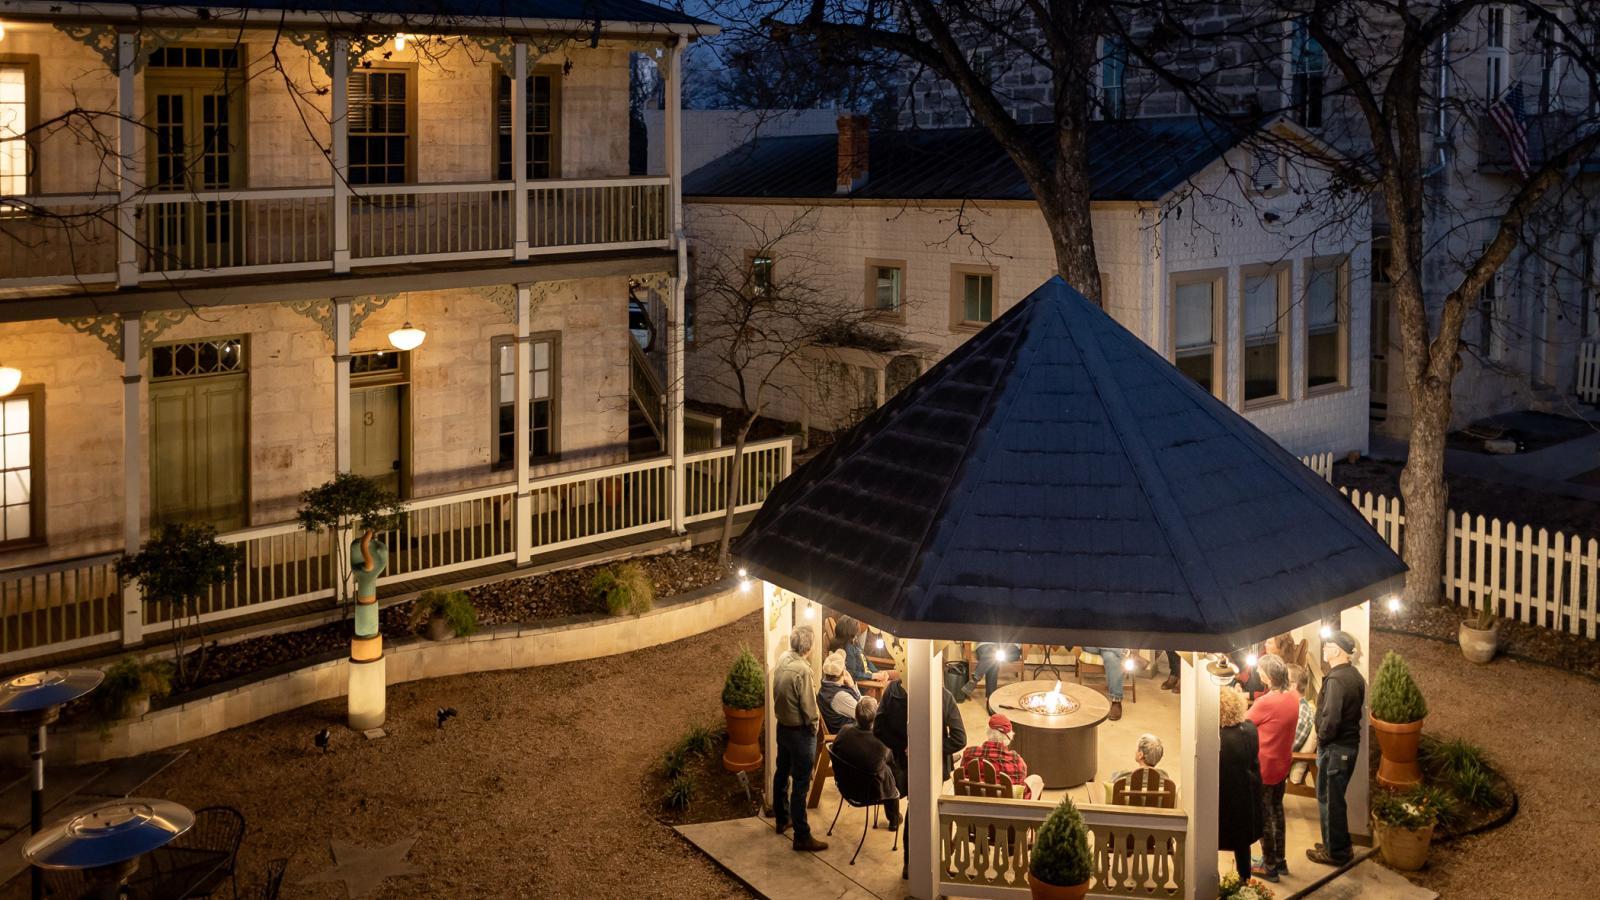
<point>1507,502</point>
<point>718,793</point>
<point>1518,640</point>
<point>540,598</point>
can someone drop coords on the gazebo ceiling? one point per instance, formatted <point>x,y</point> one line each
<point>1055,480</point>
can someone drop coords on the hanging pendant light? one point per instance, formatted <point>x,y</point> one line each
<point>407,336</point>
<point>10,378</point>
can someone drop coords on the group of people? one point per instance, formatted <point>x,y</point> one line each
<point>1256,756</point>
<point>991,656</point>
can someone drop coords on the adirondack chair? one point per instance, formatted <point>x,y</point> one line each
<point>979,778</point>
<point>1145,787</point>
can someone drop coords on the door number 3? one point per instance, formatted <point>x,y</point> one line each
<point>367,418</point>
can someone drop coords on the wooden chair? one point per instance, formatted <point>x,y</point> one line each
<point>1309,788</point>
<point>1145,787</point>
<point>979,778</point>
<point>824,767</point>
<point>1094,664</point>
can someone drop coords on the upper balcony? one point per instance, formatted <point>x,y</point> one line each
<point>161,152</point>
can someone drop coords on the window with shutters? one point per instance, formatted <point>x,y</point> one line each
<point>543,402</point>
<point>382,125</point>
<point>21,453</point>
<point>544,125</point>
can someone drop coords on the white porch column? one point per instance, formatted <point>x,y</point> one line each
<point>673,127</point>
<point>341,384</point>
<point>777,620</point>
<point>339,50</point>
<point>924,769</point>
<point>519,150</point>
<point>880,379</point>
<point>128,163</point>
<point>133,473</point>
<point>523,391</point>
<point>1357,621</point>
<point>1200,740</point>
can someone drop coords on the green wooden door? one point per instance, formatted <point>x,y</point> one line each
<point>375,449</point>
<point>197,451</point>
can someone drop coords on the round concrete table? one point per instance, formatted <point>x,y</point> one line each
<point>1062,749</point>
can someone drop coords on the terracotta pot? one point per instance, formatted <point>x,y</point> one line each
<point>1478,644</point>
<point>439,629</point>
<point>1403,848</point>
<point>137,707</point>
<point>1398,769</point>
<point>1043,891</point>
<point>744,739</point>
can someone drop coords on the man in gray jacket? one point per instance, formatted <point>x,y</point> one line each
<point>794,702</point>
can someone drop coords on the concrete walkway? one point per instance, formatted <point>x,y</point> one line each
<point>769,867</point>
<point>67,789</point>
<point>1369,880</point>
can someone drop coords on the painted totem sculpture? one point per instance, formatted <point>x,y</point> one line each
<point>369,556</point>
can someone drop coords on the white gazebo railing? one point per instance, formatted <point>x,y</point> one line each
<point>986,845</point>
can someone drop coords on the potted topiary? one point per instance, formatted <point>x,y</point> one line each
<point>625,588</point>
<point>1397,713</point>
<point>444,613</point>
<point>1402,825</point>
<point>1479,634</point>
<point>744,701</point>
<point>1060,865</point>
<point>128,688</point>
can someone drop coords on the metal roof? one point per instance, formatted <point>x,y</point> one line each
<point>1139,159</point>
<point>1056,480</point>
<point>417,13</point>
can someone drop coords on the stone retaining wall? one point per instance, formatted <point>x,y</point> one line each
<point>505,647</point>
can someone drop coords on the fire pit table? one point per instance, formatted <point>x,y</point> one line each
<point>1055,728</point>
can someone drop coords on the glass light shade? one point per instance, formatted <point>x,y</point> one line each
<point>406,337</point>
<point>9,379</point>
<point>400,42</point>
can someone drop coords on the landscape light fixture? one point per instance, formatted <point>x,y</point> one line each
<point>1221,670</point>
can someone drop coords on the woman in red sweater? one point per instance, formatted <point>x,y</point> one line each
<point>1275,714</point>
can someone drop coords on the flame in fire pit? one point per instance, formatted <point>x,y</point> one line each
<point>1049,703</point>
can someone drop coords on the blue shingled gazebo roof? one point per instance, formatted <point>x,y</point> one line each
<point>1055,480</point>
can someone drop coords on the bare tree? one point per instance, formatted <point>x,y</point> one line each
<point>760,321</point>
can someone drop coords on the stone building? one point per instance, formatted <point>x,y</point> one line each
<point>216,227</point>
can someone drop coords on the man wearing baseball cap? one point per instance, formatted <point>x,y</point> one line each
<point>996,749</point>
<point>1340,718</point>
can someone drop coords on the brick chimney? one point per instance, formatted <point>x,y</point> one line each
<point>852,169</point>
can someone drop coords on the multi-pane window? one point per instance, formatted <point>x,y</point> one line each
<point>1307,67</point>
<point>1113,73</point>
<point>543,114</point>
<point>760,274</point>
<point>1496,57</point>
<point>977,298</point>
<point>888,286</point>
<point>188,359</point>
<point>19,449</point>
<point>1266,170</point>
<point>380,126</point>
<point>14,89</point>
<point>1327,326</point>
<point>545,372</point>
<point>1195,321</point>
<point>1265,350</point>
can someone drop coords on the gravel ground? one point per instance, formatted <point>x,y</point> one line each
<point>1538,723</point>
<point>534,790</point>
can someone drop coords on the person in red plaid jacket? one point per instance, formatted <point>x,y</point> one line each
<point>996,749</point>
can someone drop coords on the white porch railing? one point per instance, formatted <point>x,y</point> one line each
<point>986,845</point>
<point>707,472</point>
<point>76,603</point>
<point>1587,383</point>
<point>63,239</point>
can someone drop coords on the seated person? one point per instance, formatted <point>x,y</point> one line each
<point>837,697</point>
<point>859,748</point>
<point>1112,658</point>
<point>1146,755</point>
<point>996,749</point>
<point>990,658</point>
<point>851,636</point>
<point>1305,729</point>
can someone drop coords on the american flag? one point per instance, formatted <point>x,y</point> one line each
<point>1508,117</point>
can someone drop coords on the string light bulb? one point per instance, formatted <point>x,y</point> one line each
<point>1250,659</point>
<point>1393,603</point>
<point>1127,664</point>
<point>10,378</point>
<point>999,656</point>
<point>1326,633</point>
<point>2,31</point>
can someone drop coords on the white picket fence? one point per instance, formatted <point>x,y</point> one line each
<point>1320,463</point>
<point>1587,383</point>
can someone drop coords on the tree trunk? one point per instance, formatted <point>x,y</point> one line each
<point>730,490</point>
<point>1425,495</point>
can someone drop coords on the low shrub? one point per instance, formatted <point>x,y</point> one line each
<point>1061,849</point>
<point>455,606</point>
<point>127,682</point>
<point>699,740</point>
<point>673,763</point>
<point>625,589</point>
<point>1395,696</point>
<point>679,793</point>
<point>1477,786</point>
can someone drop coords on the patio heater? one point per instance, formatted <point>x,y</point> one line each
<point>37,698</point>
<point>106,841</point>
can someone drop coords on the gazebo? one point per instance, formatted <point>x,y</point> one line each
<point>1056,481</point>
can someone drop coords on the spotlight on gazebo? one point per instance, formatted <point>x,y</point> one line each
<point>1392,602</point>
<point>1326,633</point>
<point>999,656</point>
<point>744,584</point>
<point>1127,664</point>
<point>1250,659</point>
<point>37,698</point>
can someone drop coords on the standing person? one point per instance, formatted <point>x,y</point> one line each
<point>1174,682</point>
<point>1340,719</point>
<point>1238,781</point>
<point>794,701</point>
<point>1275,714</point>
<point>892,728</point>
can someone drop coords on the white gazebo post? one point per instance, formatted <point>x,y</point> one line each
<point>1201,742</point>
<point>924,768</point>
<point>777,619</point>
<point>1357,622</point>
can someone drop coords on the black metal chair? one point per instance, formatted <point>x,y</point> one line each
<point>197,862</point>
<point>860,789</point>
<point>273,882</point>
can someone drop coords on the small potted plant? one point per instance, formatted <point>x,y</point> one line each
<point>444,614</point>
<point>1402,825</point>
<point>744,701</point>
<point>1060,865</point>
<point>1232,887</point>
<point>1479,634</point>
<point>1398,710</point>
<point>625,588</point>
<point>128,688</point>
